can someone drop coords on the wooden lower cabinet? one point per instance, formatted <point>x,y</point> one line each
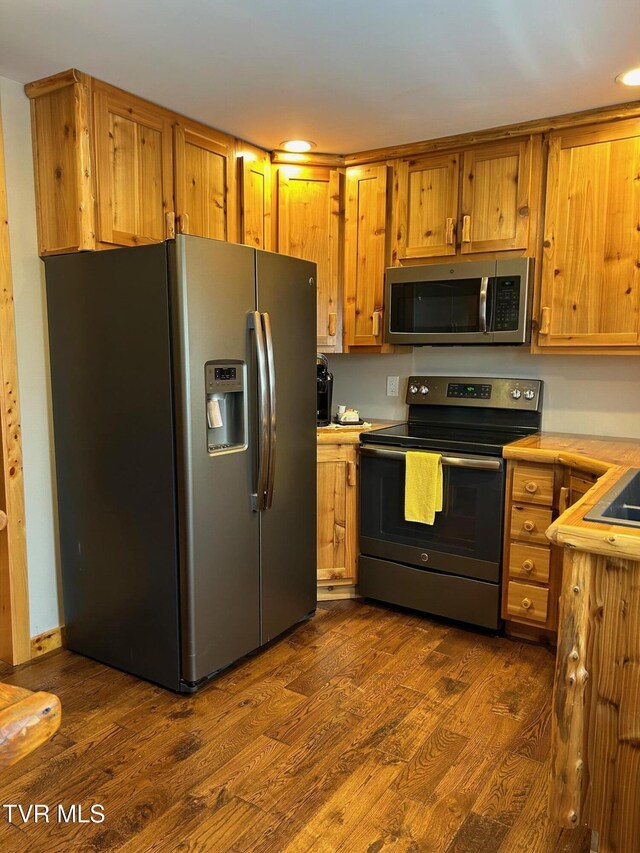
<point>531,567</point>
<point>337,515</point>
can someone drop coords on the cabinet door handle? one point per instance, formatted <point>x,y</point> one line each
<point>526,603</point>
<point>529,526</point>
<point>545,320</point>
<point>531,487</point>
<point>563,501</point>
<point>183,223</point>
<point>333,324</point>
<point>528,565</point>
<point>448,232</point>
<point>170,220</point>
<point>377,318</point>
<point>466,229</point>
<point>3,519</point>
<point>351,473</point>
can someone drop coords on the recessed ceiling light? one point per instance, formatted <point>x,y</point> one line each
<point>629,78</point>
<point>298,146</point>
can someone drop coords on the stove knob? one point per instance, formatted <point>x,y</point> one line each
<point>424,390</point>
<point>516,393</point>
<point>529,394</point>
<point>413,389</point>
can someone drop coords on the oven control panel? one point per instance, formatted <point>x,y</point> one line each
<point>521,394</point>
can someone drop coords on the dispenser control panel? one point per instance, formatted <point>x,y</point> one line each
<point>225,406</point>
<point>223,377</point>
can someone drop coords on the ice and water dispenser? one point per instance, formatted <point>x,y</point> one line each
<point>225,383</point>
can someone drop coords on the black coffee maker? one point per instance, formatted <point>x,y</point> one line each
<point>324,384</point>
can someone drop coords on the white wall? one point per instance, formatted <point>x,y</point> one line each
<point>33,368</point>
<point>583,394</point>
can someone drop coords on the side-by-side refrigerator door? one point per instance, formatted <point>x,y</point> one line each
<point>287,304</point>
<point>213,295</point>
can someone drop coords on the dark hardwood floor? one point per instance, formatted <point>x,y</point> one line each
<point>365,729</point>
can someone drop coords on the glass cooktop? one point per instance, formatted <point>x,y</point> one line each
<point>445,439</point>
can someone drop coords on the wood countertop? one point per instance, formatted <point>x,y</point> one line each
<point>609,459</point>
<point>349,434</point>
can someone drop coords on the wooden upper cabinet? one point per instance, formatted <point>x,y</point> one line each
<point>495,197</point>
<point>61,131</point>
<point>205,183</point>
<point>134,169</point>
<point>365,255</point>
<point>590,294</point>
<point>310,215</point>
<point>255,201</point>
<point>481,200</point>
<point>426,206</point>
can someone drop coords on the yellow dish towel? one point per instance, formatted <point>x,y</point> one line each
<point>423,486</point>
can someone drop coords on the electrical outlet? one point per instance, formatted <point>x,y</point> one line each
<point>393,386</point>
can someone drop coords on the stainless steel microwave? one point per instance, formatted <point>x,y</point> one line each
<point>464,302</point>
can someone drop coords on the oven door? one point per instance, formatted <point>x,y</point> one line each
<point>466,538</point>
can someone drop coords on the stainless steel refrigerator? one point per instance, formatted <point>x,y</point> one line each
<point>183,380</point>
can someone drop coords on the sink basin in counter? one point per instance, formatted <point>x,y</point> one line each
<point>621,504</point>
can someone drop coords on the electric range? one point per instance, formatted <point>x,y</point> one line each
<point>453,567</point>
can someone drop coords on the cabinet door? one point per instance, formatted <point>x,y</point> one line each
<point>590,292</point>
<point>255,203</point>
<point>309,224</point>
<point>204,182</point>
<point>134,170</point>
<point>365,254</point>
<point>496,182</point>
<point>426,206</point>
<point>337,523</point>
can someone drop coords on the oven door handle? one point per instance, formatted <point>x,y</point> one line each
<point>480,463</point>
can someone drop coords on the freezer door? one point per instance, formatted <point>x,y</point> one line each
<point>109,338</point>
<point>213,289</point>
<point>287,294</point>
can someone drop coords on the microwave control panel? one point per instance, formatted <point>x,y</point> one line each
<point>507,305</point>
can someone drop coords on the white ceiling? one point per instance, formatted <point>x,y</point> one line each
<point>349,75</point>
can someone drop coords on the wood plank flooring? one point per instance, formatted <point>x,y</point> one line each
<point>367,728</point>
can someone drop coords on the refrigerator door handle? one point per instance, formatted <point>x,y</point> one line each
<point>271,368</point>
<point>258,497</point>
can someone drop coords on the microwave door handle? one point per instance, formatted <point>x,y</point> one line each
<point>258,497</point>
<point>482,307</point>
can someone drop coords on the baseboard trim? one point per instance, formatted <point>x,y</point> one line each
<point>47,642</point>
<point>337,593</point>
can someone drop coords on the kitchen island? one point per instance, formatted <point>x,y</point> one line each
<point>596,718</point>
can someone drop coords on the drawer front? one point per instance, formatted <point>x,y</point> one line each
<point>528,523</point>
<point>529,562</point>
<point>579,486</point>
<point>525,601</point>
<point>533,484</point>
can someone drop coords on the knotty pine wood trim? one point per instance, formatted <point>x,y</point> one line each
<point>287,158</point>
<point>46,85</point>
<point>15,645</point>
<point>613,112</point>
<point>47,642</point>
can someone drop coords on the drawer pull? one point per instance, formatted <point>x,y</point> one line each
<point>531,487</point>
<point>526,603</point>
<point>529,525</point>
<point>528,565</point>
